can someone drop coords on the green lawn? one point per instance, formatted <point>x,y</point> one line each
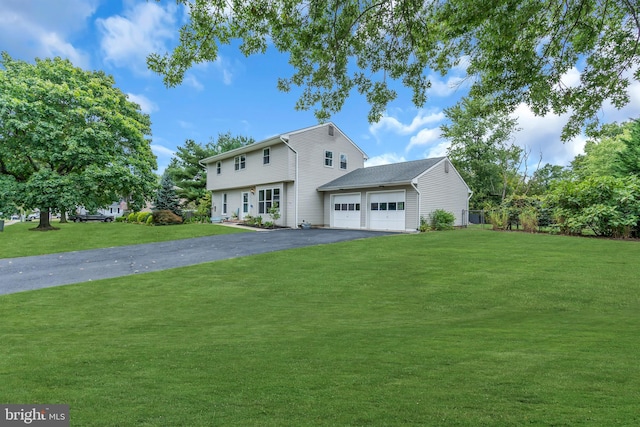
<point>20,240</point>
<point>467,328</point>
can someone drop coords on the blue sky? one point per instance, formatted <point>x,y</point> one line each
<point>239,94</point>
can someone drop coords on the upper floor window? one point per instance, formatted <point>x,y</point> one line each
<point>218,168</point>
<point>266,156</point>
<point>328,158</point>
<point>343,161</point>
<point>240,161</point>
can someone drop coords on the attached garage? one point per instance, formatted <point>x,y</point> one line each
<point>345,210</point>
<point>395,197</point>
<point>387,211</point>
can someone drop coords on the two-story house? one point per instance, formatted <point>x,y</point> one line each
<point>316,175</point>
<point>286,169</point>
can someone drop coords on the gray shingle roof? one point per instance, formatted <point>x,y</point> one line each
<point>375,176</point>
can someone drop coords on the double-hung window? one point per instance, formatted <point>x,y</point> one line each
<point>219,168</point>
<point>266,156</point>
<point>328,158</point>
<point>343,161</point>
<point>224,203</point>
<point>268,198</point>
<point>240,162</point>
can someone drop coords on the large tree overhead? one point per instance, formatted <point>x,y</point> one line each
<point>188,174</point>
<point>514,50</point>
<point>69,138</point>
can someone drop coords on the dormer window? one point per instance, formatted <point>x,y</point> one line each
<point>240,162</point>
<point>328,158</point>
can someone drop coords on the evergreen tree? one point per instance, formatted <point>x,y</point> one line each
<point>629,157</point>
<point>166,197</point>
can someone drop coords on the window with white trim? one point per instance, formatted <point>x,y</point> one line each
<point>240,161</point>
<point>224,203</point>
<point>267,198</point>
<point>343,161</point>
<point>346,207</point>
<point>328,158</point>
<point>219,168</point>
<point>266,156</point>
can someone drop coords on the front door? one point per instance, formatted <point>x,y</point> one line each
<point>244,210</point>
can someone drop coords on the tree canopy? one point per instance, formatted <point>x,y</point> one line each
<point>69,138</point>
<point>515,51</point>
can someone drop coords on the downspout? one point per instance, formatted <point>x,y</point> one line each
<point>414,184</point>
<point>466,220</point>
<point>295,207</point>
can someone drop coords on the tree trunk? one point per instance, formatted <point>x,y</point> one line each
<point>45,222</point>
<point>63,217</point>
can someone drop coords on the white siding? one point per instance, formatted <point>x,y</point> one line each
<point>281,168</point>
<point>443,190</point>
<point>312,173</point>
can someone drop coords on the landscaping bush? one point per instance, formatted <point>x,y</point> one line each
<point>424,225</point>
<point>529,219</point>
<point>499,219</point>
<point>150,219</point>
<point>141,217</point>
<point>121,219</point>
<point>166,217</point>
<point>442,220</point>
<point>132,217</point>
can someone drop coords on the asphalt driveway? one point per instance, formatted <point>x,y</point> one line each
<point>36,272</point>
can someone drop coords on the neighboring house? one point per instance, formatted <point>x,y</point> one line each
<point>316,175</point>
<point>116,209</point>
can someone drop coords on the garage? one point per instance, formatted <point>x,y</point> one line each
<point>345,212</point>
<point>387,211</point>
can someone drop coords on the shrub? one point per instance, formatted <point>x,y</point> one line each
<point>132,217</point>
<point>150,219</point>
<point>166,217</point>
<point>499,219</point>
<point>142,217</point>
<point>121,219</point>
<point>268,224</point>
<point>424,225</point>
<point>442,220</point>
<point>529,219</point>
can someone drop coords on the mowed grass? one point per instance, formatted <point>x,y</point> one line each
<point>19,239</point>
<point>464,328</point>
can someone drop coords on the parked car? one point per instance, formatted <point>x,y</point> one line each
<point>33,216</point>
<point>15,217</point>
<point>91,217</point>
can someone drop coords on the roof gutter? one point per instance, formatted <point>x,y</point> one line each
<point>295,207</point>
<point>356,186</point>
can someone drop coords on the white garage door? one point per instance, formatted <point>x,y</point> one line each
<point>345,211</point>
<point>386,211</point>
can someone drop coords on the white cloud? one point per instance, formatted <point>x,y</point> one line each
<point>146,105</point>
<point>223,66</point>
<point>427,136</point>
<point>384,159</point>
<point>144,28</point>
<point>392,124</point>
<point>41,28</point>
<point>444,88</point>
<point>191,80</point>
<point>162,151</point>
<point>541,135</point>
<point>185,125</point>
<point>439,150</point>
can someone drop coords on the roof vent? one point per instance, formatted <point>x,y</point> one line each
<point>446,167</point>
<point>330,130</point>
